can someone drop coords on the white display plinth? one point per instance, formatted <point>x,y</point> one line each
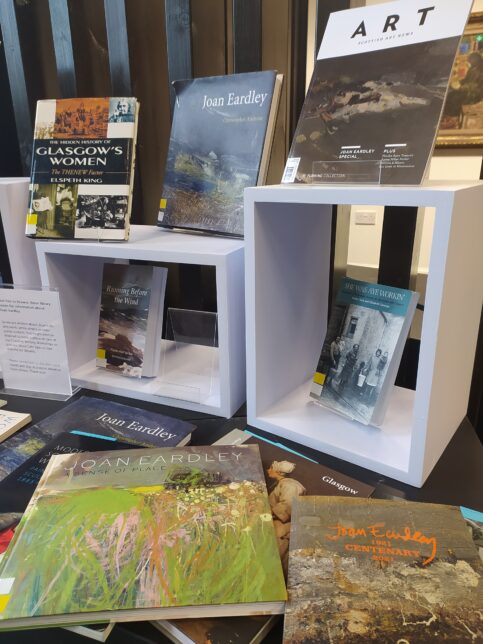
<point>287,237</point>
<point>14,193</point>
<point>75,268</point>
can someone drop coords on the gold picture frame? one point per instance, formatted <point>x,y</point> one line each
<point>462,120</point>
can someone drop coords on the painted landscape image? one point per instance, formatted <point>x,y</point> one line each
<point>137,529</point>
<point>215,150</point>
<point>371,101</point>
<point>381,571</point>
<point>123,319</point>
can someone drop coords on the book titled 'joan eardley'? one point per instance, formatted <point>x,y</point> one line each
<point>82,168</point>
<point>376,97</point>
<point>220,144</point>
<point>366,570</point>
<point>144,534</point>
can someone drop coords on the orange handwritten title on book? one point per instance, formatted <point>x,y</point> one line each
<point>381,545</point>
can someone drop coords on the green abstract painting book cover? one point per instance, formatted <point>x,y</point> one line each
<point>142,534</point>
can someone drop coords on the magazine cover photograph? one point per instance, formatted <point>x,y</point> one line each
<point>366,106</point>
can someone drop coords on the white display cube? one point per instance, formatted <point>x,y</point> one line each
<point>14,196</point>
<point>287,257</point>
<point>75,268</point>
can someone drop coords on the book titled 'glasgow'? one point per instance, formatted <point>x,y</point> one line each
<point>144,534</point>
<point>82,168</point>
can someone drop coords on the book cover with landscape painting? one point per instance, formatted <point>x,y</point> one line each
<point>366,570</point>
<point>219,145</point>
<point>131,319</point>
<point>82,168</point>
<point>376,97</point>
<point>170,532</point>
<point>288,475</point>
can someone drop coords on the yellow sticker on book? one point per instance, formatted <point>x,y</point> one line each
<point>162,203</point>
<point>101,354</point>
<point>4,599</point>
<point>319,378</point>
<point>32,218</point>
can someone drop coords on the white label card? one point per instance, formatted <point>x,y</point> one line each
<point>392,24</point>
<point>33,353</point>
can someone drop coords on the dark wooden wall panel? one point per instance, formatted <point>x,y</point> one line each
<point>149,76</point>
<point>118,47</point>
<point>247,35</point>
<point>62,41</point>
<point>89,42</point>
<point>178,41</point>
<point>276,54</point>
<point>208,37</point>
<point>18,86</point>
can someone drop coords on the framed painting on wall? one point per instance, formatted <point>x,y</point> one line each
<point>462,120</point>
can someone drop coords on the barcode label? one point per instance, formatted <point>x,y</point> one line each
<point>291,168</point>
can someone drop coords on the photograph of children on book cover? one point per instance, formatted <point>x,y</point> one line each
<point>355,357</point>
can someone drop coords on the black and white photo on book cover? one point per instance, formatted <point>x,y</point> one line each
<point>82,168</point>
<point>376,96</point>
<point>362,348</point>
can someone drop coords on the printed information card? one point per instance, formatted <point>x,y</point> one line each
<point>33,353</point>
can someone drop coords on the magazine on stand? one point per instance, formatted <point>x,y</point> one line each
<point>376,97</point>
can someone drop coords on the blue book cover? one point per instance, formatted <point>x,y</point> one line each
<point>215,150</point>
<point>97,416</point>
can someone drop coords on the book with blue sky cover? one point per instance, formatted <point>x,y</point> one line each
<point>219,145</point>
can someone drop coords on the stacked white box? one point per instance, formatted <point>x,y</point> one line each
<point>287,237</point>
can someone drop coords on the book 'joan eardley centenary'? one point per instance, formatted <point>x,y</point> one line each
<point>366,570</point>
<point>144,534</point>
<point>82,168</point>
<point>376,97</point>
